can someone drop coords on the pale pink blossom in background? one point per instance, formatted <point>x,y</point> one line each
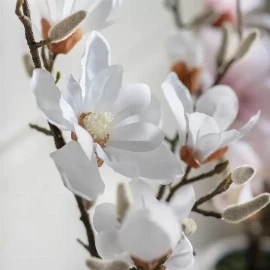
<point>250,79</point>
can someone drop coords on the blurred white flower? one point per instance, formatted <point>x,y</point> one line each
<point>112,123</point>
<point>100,15</point>
<point>185,55</point>
<point>203,131</point>
<point>150,234</point>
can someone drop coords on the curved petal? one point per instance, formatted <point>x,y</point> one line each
<point>170,88</point>
<point>103,90</point>
<point>152,114</point>
<point>108,244</point>
<point>228,137</point>
<point>85,140</point>
<point>159,164</point>
<point>99,16</point>
<point>183,201</point>
<point>79,174</point>
<point>221,103</point>
<point>132,99</point>
<point>73,95</point>
<point>207,145</point>
<point>48,98</point>
<point>124,166</point>
<point>182,257</point>
<point>137,137</point>
<point>104,218</point>
<point>146,236</point>
<point>96,58</point>
<point>142,193</point>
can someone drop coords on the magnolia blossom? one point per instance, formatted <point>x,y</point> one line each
<point>112,123</point>
<point>203,131</point>
<point>227,9</point>
<point>150,233</point>
<point>253,92</point>
<point>100,15</point>
<point>241,153</point>
<point>185,55</point>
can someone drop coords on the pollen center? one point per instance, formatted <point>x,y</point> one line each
<point>98,124</point>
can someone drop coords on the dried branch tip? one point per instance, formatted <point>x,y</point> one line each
<point>246,45</point>
<point>241,212</point>
<point>98,264</point>
<point>123,201</point>
<point>243,174</point>
<point>67,27</point>
<point>189,226</point>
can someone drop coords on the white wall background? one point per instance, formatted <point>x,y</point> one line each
<point>39,219</point>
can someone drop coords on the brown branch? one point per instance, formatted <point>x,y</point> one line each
<point>222,187</point>
<point>22,5</point>
<point>221,73</point>
<point>176,187</point>
<point>161,191</point>
<point>44,58</point>
<point>41,129</point>
<point>89,230</point>
<point>43,43</point>
<point>207,213</point>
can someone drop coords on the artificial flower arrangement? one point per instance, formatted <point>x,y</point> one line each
<point>120,125</point>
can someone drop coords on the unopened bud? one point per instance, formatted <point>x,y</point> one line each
<point>240,212</point>
<point>219,168</point>
<point>98,264</point>
<point>67,26</point>
<point>246,45</point>
<point>243,174</point>
<point>189,226</point>
<point>123,201</point>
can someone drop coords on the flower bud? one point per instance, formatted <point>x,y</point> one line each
<point>98,264</point>
<point>243,174</point>
<point>123,201</point>
<point>189,226</point>
<point>240,212</point>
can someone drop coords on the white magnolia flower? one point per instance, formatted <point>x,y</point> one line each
<point>185,55</point>
<point>100,14</point>
<point>203,131</point>
<point>150,233</point>
<point>112,123</point>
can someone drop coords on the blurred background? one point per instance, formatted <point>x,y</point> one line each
<point>38,216</point>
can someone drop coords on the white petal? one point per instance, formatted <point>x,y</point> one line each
<point>170,88</point>
<point>108,245</point>
<point>99,16</point>
<point>133,98</point>
<point>124,166</point>
<point>249,125</point>
<point>53,9</point>
<point>228,137</point>
<point>153,114</point>
<point>182,257</point>
<point>142,193</point>
<point>79,174</point>
<point>159,164</point>
<point>104,218</point>
<point>207,145</point>
<point>48,98</point>
<point>96,58</point>
<point>73,95</point>
<point>183,201</point>
<point>103,89</point>
<point>146,236</point>
<point>85,140</point>
<point>221,103</point>
<point>137,137</point>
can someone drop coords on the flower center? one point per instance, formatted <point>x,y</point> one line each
<point>97,124</point>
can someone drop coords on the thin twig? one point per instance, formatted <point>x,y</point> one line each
<point>239,19</point>
<point>219,168</point>
<point>207,213</point>
<point>41,129</point>
<point>161,191</point>
<point>44,58</point>
<point>43,43</point>
<point>222,187</point>
<point>176,187</point>
<point>52,61</point>
<point>173,142</point>
<point>89,230</point>
<point>221,74</point>
<point>83,244</point>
